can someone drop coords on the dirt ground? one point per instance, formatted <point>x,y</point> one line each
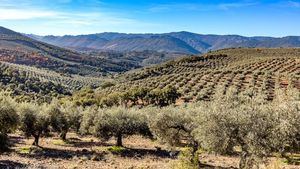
<point>89,152</point>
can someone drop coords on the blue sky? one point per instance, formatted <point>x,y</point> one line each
<point>244,17</point>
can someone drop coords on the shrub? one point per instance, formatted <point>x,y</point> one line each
<point>175,126</point>
<point>186,160</point>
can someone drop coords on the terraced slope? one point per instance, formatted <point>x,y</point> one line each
<point>201,77</point>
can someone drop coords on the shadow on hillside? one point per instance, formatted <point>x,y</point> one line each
<point>16,140</point>
<point>75,142</point>
<point>89,154</point>
<point>7,164</point>
<point>85,150</point>
<point>207,166</point>
<point>86,144</point>
<point>138,153</point>
<point>63,154</point>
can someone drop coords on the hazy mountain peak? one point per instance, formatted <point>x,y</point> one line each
<point>176,42</point>
<point>5,31</point>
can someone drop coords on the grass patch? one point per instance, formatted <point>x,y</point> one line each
<point>293,159</point>
<point>24,150</point>
<point>29,150</point>
<point>186,160</point>
<point>61,142</point>
<point>116,149</point>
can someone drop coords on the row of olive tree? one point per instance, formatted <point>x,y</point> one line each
<point>257,127</point>
<point>135,96</point>
<point>36,120</point>
<point>114,122</point>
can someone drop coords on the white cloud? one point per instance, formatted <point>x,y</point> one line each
<point>23,14</point>
<point>31,17</point>
<point>198,6</point>
<point>227,6</point>
<point>293,4</point>
<point>73,18</point>
<point>177,7</point>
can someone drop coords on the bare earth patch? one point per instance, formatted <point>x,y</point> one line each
<point>89,152</point>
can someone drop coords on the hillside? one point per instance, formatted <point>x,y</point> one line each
<point>121,42</point>
<point>201,77</point>
<point>28,87</point>
<point>134,59</point>
<point>155,43</point>
<point>178,42</point>
<point>37,83</point>
<point>19,49</point>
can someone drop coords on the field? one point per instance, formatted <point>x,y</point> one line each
<point>88,152</point>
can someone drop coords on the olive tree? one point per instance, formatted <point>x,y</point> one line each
<point>87,121</point>
<point>8,119</point>
<point>73,115</point>
<point>58,120</point>
<point>175,126</point>
<point>163,97</point>
<point>119,122</point>
<point>258,129</point>
<point>64,117</point>
<point>287,132</point>
<point>33,120</point>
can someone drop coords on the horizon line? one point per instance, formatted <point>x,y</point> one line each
<point>155,33</point>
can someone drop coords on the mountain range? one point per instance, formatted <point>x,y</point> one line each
<point>20,49</point>
<point>31,51</point>
<point>103,53</point>
<point>175,42</point>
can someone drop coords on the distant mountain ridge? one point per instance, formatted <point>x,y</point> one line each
<point>175,42</point>
<point>19,49</point>
<point>29,50</point>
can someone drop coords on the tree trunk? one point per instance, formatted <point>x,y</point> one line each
<point>195,157</point>
<point>229,149</point>
<point>119,140</point>
<point>248,161</point>
<point>36,140</point>
<point>63,135</point>
<point>3,142</point>
<point>243,160</point>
